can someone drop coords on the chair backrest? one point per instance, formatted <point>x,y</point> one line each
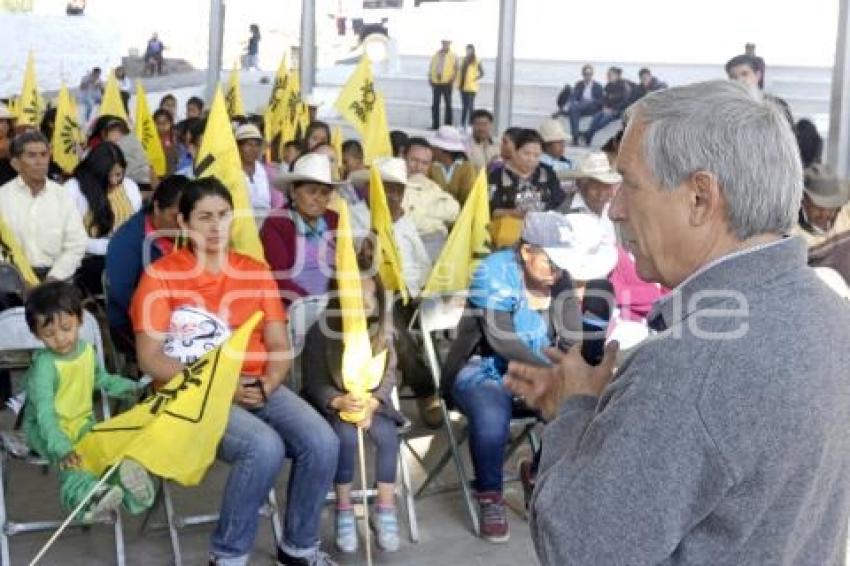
<point>301,316</point>
<point>16,335</point>
<point>435,314</point>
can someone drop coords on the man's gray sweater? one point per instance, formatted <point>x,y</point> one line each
<point>724,439</point>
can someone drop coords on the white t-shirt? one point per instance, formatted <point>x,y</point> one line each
<point>258,187</point>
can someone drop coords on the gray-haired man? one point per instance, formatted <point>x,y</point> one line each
<point>723,439</point>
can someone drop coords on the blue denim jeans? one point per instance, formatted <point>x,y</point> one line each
<point>488,406</point>
<point>383,433</point>
<point>255,444</point>
<point>600,120</point>
<point>578,110</point>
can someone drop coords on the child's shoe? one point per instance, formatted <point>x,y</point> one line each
<point>346,530</point>
<point>136,482</point>
<point>385,524</point>
<point>106,499</point>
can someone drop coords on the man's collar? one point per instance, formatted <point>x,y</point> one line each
<point>737,272</point>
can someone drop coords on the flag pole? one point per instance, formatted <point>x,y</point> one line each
<point>73,514</point>
<point>362,453</point>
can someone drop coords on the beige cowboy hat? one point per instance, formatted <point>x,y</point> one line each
<point>392,170</point>
<point>248,132</point>
<point>309,168</point>
<point>448,138</point>
<point>824,188</point>
<point>595,166</point>
<point>552,131</point>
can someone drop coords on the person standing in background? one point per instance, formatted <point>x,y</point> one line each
<point>252,51</point>
<point>441,77</point>
<point>470,72</point>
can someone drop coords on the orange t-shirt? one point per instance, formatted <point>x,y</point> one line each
<point>243,287</point>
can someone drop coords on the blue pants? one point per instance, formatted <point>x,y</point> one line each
<point>600,120</point>
<point>383,433</point>
<point>255,444</point>
<point>488,407</point>
<point>577,111</point>
<point>467,101</point>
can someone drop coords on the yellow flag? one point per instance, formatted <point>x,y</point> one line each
<point>112,104</point>
<point>387,255</point>
<point>219,157</point>
<point>14,106</point>
<point>466,246</point>
<point>174,433</point>
<point>276,110</point>
<point>233,95</point>
<point>66,133</point>
<point>11,252</point>
<point>336,143</point>
<point>145,130</point>
<point>361,372</point>
<point>30,105</point>
<point>363,107</point>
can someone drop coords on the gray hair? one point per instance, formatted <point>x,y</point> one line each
<point>734,132</point>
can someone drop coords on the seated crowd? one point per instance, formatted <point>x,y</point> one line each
<point>117,231</point>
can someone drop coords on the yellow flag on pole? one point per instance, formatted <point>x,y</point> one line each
<point>67,137</point>
<point>276,109</point>
<point>387,255</point>
<point>218,157</point>
<point>112,104</point>
<point>30,105</point>
<point>336,143</point>
<point>233,95</point>
<point>12,252</point>
<point>174,433</point>
<point>361,372</point>
<point>145,130</point>
<point>363,107</point>
<point>467,244</point>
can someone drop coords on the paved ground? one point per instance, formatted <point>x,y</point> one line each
<point>445,536</point>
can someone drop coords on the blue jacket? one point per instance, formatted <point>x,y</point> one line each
<point>124,268</point>
<point>597,92</point>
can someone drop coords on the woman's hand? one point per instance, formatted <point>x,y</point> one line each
<point>250,395</point>
<point>348,403</point>
<point>371,406</point>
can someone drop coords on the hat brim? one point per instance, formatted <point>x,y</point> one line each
<point>258,138</point>
<point>361,177</point>
<point>447,146</point>
<point>831,201</point>
<point>611,178</point>
<point>286,179</point>
<point>583,266</point>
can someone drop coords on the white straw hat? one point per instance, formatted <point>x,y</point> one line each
<point>595,166</point>
<point>552,131</point>
<point>448,138</point>
<point>311,167</point>
<point>392,170</point>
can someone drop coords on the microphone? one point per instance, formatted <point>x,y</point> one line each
<point>596,309</point>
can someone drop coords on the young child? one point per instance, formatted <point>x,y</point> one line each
<point>322,361</point>
<point>60,384</point>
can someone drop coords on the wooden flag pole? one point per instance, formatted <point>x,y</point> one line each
<point>362,452</point>
<point>73,514</point>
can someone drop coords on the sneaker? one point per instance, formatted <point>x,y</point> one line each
<point>136,481</point>
<point>430,411</point>
<point>527,479</point>
<point>385,524</point>
<point>346,530</point>
<point>106,500</point>
<point>317,558</point>
<point>494,519</point>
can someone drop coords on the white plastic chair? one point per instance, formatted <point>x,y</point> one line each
<point>17,346</point>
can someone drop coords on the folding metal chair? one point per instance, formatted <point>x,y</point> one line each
<point>17,346</point>
<point>440,314</point>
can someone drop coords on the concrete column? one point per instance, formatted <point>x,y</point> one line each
<point>307,53</point>
<point>504,79</point>
<point>838,148</point>
<point>216,45</point>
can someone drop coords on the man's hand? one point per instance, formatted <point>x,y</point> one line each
<point>546,389</point>
<point>71,460</point>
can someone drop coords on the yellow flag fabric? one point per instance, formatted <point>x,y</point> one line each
<point>363,107</point>
<point>276,110</point>
<point>361,372</point>
<point>67,137</point>
<point>175,432</point>
<point>467,244</point>
<point>12,252</point>
<point>112,104</point>
<point>387,255</point>
<point>219,157</point>
<point>145,130</point>
<point>233,95</point>
<point>14,106</point>
<point>30,106</point>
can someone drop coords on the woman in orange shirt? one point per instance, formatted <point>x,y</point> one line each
<point>187,303</point>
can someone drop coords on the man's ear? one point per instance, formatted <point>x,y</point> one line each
<point>706,200</point>
<point>15,163</point>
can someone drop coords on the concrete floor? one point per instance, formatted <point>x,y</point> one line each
<point>444,527</point>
